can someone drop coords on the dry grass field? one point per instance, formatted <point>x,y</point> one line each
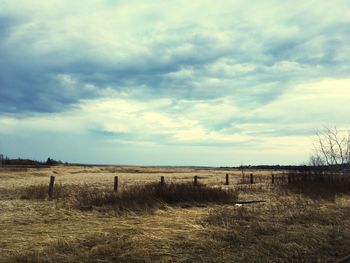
<point>85,221</point>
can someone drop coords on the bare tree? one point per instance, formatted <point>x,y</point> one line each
<point>332,147</point>
<point>316,160</point>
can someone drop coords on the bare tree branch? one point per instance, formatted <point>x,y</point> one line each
<point>332,147</point>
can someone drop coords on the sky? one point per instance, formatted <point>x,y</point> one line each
<point>200,82</point>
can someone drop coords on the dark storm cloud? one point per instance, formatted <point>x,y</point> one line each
<point>39,75</point>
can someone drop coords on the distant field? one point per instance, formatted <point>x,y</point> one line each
<point>287,226</point>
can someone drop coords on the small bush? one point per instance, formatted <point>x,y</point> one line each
<point>35,192</point>
<point>317,189</point>
<point>41,191</point>
<point>136,197</point>
<point>154,194</point>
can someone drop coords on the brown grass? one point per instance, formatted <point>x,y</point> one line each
<point>135,198</point>
<point>289,229</point>
<point>290,226</point>
<point>317,190</point>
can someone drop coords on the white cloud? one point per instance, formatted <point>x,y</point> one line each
<point>307,107</point>
<point>313,104</point>
<point>261,75</point>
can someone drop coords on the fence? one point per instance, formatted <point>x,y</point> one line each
<point>280,178</point>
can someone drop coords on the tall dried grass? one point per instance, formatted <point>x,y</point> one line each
<point>287,229</point>
<point>135,197</point>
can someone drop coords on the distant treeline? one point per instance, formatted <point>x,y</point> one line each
<point>28,162</point>
<point>304,168</point>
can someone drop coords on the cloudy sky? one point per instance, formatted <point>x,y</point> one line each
<point>178,82</point>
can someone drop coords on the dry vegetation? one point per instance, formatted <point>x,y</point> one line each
<point>145,222</point>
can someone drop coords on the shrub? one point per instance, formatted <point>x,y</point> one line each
<point>151,195</point>
<point>35,192</point>
<point>136,197</point>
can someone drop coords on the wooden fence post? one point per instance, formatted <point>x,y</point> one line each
<point>272,178</point>
<point>162,180</point>
<point>227,182</point>
<point>251,179</point>
<point>115,183</point>
<point>195,180</point>
<point>52,182</point>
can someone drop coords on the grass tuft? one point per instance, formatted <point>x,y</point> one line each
<point>136,197</point>
<point>317,190</point>
<point>154,195</point>
<point>40,192</point>
<point>289,229</point>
